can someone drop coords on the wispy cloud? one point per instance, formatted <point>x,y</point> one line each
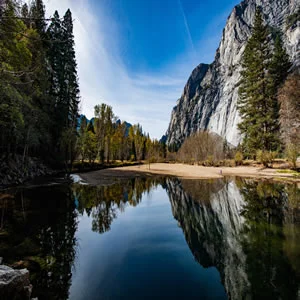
<point>146,97</point>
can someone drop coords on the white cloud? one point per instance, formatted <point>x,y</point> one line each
<point>146,98</point>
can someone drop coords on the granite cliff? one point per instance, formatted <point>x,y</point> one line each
<point>209,98</point>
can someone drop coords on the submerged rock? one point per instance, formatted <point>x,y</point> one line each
<point>14,284</point>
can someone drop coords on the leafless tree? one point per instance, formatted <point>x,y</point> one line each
<point>202,146</point>
<point>289,99</point>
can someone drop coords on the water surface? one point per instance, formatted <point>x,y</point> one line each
<point>156,238</point>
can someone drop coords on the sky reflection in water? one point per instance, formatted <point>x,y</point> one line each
<point>157,238</point>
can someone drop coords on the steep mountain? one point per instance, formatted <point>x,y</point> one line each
<point>209,98</point>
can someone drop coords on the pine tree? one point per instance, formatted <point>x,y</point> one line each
<point>55,57</point>
<point>42,115</point>
<point>37,13</point>
<point>280,64</point>
<point>64,88</point>
<point>70,87</point>
<point>25,14</point>
<point>256,105</point>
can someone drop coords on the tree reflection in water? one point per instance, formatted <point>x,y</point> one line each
<point>103,203</point>
<point>247,229</point>
<point>38,232</point>
<point>266,211</point>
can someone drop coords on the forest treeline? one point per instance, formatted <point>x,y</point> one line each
<point>108,139</point>
<point>39,88</point>
<point>269,106</point>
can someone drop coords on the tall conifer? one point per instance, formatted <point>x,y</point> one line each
<point>256,105</point>
<point>280,64</point>
<point>37,13</point>
<point>70,87</point>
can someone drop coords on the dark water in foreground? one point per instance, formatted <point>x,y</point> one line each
<point>156,239</point>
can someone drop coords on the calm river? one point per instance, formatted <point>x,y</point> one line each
<point>156,238</point>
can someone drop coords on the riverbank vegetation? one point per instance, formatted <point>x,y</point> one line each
<point>39,87</point>
<point>106,141</point>
<point>208,149</point>
<point>269,98</point>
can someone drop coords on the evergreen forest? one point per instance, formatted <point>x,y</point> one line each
<point>39,87</point>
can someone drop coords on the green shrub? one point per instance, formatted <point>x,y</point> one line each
<point>238,158</point>
<point>210,160</point>
<point>217,164</point>
<point>247,162</point>
<point>266,157</point>
<point>292,152</point>
<point>230,163</point>
<point>192,161</point>
<point>221,163</point>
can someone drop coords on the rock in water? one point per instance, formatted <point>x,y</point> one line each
<point>14,284</point>
<point>209,99</point>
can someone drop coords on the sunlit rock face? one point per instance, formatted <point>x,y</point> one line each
<point>209,99</point>
<point>237,226</point>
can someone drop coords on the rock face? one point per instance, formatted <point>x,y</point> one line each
<point>14,284</point>
<point>209,99</point>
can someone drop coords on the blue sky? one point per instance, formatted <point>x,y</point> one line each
<point>136,55</point>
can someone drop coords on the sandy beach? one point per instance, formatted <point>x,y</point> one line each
<point>183,171</point>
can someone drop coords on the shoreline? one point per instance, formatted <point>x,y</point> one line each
<point>184,171</point>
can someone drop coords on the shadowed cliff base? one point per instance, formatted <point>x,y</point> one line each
<point>184,171</point>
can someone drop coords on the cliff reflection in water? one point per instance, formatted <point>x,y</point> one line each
<point>248,229</point>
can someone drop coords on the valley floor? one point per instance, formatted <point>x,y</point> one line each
<point>184,171</point>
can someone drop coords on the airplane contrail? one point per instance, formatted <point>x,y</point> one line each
<point>186,26</point>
